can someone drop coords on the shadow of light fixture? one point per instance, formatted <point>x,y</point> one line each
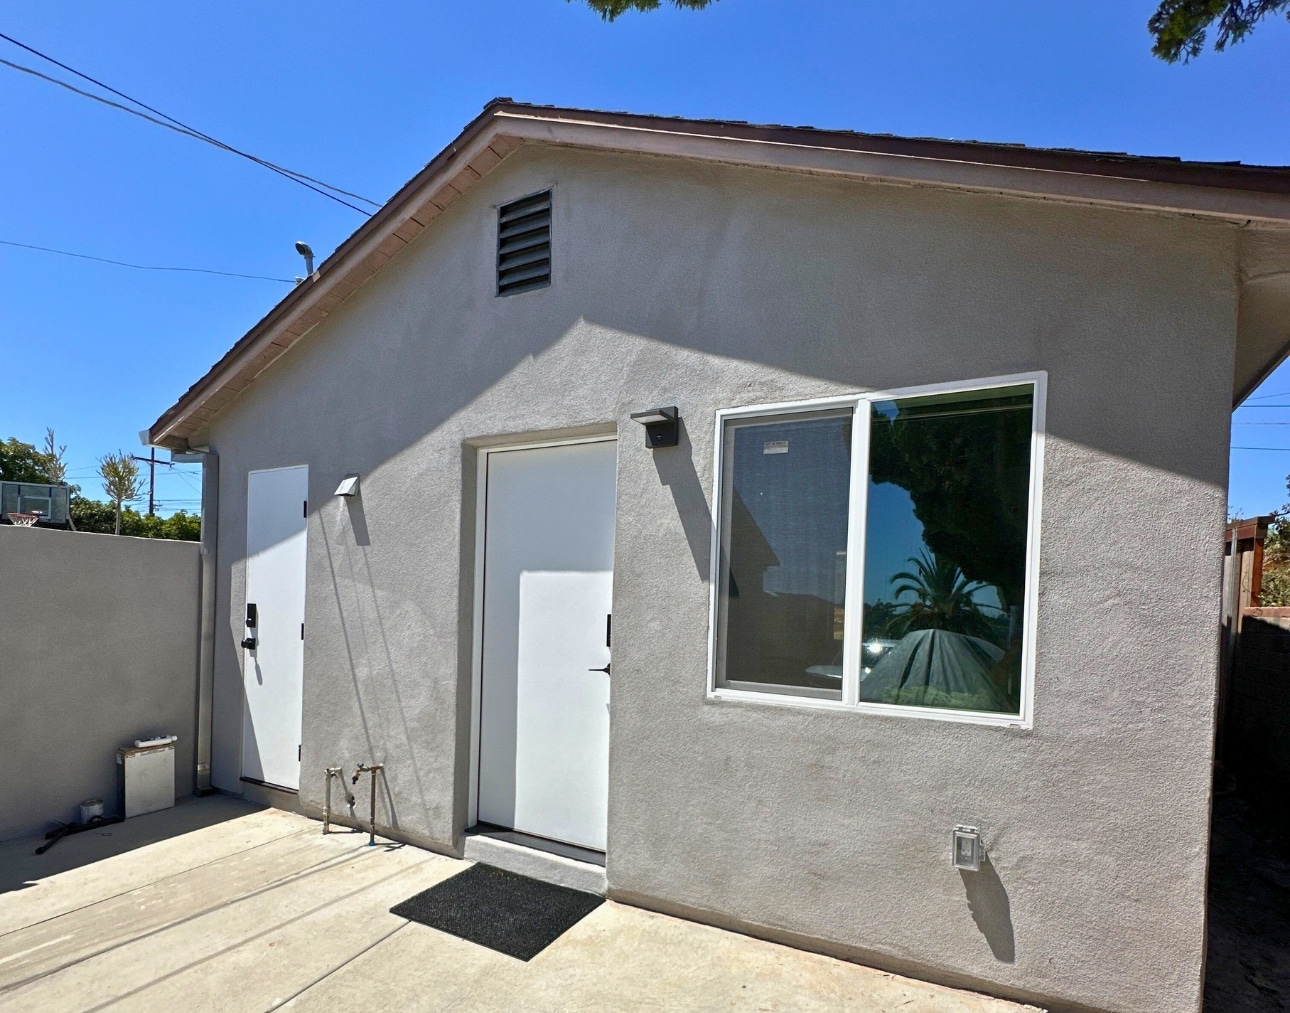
<point>348,486</point>
<point>662,426</point>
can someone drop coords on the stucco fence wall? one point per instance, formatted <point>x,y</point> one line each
<point>98,647</point>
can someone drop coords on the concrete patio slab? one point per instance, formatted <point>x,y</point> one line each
<point>218,906</point>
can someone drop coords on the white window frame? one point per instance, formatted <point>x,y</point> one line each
<point>860,402</point>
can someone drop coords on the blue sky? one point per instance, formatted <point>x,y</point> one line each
<point>363,95</point>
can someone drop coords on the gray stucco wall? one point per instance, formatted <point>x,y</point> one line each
<point>711,287</point>
<point>98,647</point>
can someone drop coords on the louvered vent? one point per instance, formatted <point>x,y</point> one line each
<point>524,244</point>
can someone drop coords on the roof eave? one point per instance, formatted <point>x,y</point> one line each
<point>503,126</point>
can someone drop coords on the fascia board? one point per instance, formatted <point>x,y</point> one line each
<point>1083,188</point>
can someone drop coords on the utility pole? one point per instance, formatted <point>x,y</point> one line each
<point>152,462</point>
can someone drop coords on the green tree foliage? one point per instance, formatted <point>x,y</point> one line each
<point>1276,567</point>
<point>1180,26</point>
<point>95,516</point>
<point>1275,591</point>
<point>941,459</point>
<point>120,480</point>
<point>611,9</point>
<point>22,462</point>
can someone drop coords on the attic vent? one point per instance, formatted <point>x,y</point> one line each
<point>524,244</point>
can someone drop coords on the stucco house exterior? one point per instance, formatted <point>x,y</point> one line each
<point>917,528</point>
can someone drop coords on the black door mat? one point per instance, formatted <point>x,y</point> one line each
<point>504,911</point>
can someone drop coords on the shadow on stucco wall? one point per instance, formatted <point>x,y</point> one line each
<point>358,519</point>
<point>349,646</point>
<point>366,626</point>
<point>676,470</point>
<point>988,901</point>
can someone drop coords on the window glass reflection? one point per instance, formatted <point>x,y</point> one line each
<point>945,550</point>
<point>782,585</point>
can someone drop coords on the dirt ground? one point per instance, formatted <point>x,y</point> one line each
<point>1249,902</point>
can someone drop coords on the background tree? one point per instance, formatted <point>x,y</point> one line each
<point>120,480</point>
<point>1275,591</point>
<point>55,466</point>
<point>22,462</point>
<point>1180,26</point>
<point>611,9</point>
<point>98,517</point>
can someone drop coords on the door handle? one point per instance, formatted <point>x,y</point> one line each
<point>605,669</point>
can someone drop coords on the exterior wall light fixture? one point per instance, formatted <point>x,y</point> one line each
<point>967,849</point>
<point>348,486</point>
<point>662,426</point>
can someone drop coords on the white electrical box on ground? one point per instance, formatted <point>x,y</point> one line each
<point>149,776</point>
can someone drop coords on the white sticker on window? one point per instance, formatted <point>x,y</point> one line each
<point>775,447</point>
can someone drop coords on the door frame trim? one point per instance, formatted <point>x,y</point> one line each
<point>241,654</point>
<point>477,610</point>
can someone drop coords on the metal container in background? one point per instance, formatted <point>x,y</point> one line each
<point>148,776</point>
<point>91,809</point>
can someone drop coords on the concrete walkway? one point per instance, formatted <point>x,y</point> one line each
<point>217,905</point>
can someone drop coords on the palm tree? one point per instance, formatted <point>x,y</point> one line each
<point>943,599</point>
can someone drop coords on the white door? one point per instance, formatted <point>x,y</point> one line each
<point>544,699</point>
<point>273,652</point>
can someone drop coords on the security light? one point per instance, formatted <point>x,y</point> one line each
<point>662,426</point>
<point>348,486</point>
<point>303,249</point>
<point>967,849</point>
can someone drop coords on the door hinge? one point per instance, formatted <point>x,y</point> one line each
<point>304,512</point>
<point>302,631</point>
<point>298,749</point>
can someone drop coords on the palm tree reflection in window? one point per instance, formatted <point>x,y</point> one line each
<point>944,599</point>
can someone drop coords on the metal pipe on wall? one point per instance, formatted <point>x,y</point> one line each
<point>373,769</point>
<point>206,652</point>
<point>339,774</point>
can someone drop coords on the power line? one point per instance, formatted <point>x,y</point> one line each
<point>179,126</point>
<point>195,134</point>
<point>1284,450</point>
<point>144,267</point>
<point>193,131</point>
<point>187,481</point>
<point>1262,397</point>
